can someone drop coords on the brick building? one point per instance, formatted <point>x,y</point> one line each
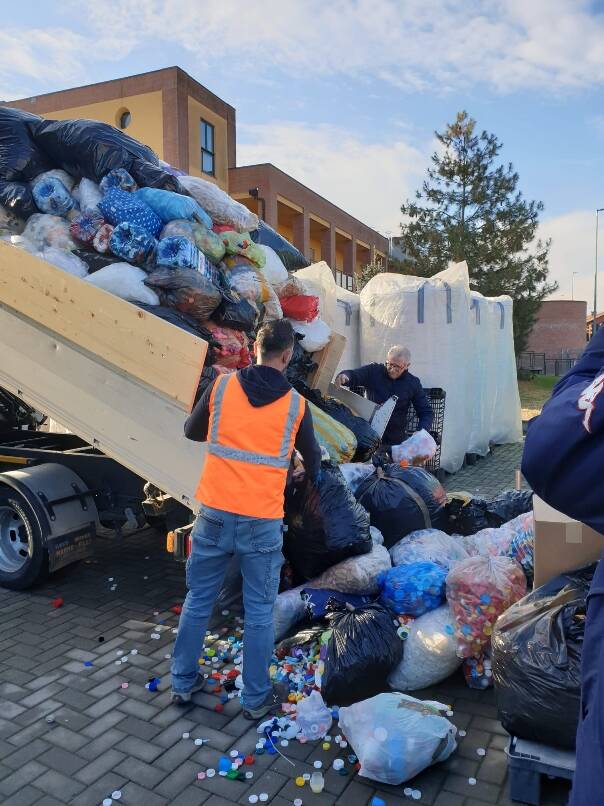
<point>559,331</point>
<point>195,130</point>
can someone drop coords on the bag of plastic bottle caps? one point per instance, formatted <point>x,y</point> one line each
<point>289,609</point>
<point>119,207</point>
<point>233,351</point>
<point>416,451</point>
<point>169,205</point>
<point>478,672</point>
<point>179,227</point>
<point>429,654</point>
<point>86,225</point>
<point>58,173</point>
<point>313,717</point>
<point>219,205</point>
<point>118,178</point>
<point>43,230</point>
<point>179,252</point>
<point>102,239</point>
<point>468,515</point>
<point>362,650</point>
<point>413,589</point>
<point>356,574</point>
<point>479,590</point>
<point>395,736</point>
<point>51,196</point>
<point>87,193</point>
<point>208,242</point>
<point>428,545</point>
<point>498,541</point>
<point>132,243</point>
<point>186,290</point>
<point>522,545</point>
<point>340,442</point>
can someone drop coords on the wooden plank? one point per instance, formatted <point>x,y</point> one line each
<point>327,359</point>
<point>154,351</point>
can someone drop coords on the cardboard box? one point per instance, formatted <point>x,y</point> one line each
<point>561,543</point>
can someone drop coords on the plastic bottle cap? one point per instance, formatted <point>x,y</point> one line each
<point>234,753</point>
<point>253,799</point>
<point>338,764</point>
<point>201,776</point>
<point>472,781</point>
<point>210,773</point>
<point>481,751</point>
<point>120,652</point>
<point>298,802</point>
<point>343,745</point>
<point>300,781</point>
<point>116,795</point>
<point>317,765</point>
<point>249,775</point>
<point>107,802</point>
<point>407,791</point>
<point>134,651</point>
<point>449,713</point>
<point>186,735</point>
<point>462,733</point>
<point>263,797</point>
<point>416,794</point>
<point>306,776</point>
<point>284,743</point>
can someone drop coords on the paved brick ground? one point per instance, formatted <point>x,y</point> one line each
<point>104,738</point>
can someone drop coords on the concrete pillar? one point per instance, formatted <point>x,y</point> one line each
<point>328,248</point>
<point>301,229</point>
<point>350,257</point>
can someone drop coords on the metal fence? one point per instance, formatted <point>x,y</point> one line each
<point>541,365</point>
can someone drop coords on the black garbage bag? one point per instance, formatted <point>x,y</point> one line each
<point>301,642</point>
<point>291,257</point>
<point>401,500</point>
<point>90,148</point>
<point>181,320</point>
<point>469,515</point>
<point>20,157</point>
<point>361,652</point>
<point>325,524</point>
<point>236,312</point>
<point>17,197</point>
<point>96,261</point>
<point>367,438</point>
<point>536,655</point>
<point>300,367</point>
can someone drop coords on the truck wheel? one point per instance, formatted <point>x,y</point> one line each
<point>23,556</point>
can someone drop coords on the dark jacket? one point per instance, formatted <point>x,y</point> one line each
<point>408,389</point>
<point>262,385</point>
<point>564,446</point>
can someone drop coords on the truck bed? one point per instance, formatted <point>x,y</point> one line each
<point>121,379</point>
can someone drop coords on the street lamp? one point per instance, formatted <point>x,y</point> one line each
<point>595,310</point>
<point>572,285</point>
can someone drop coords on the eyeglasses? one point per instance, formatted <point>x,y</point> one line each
<point>395,366</point>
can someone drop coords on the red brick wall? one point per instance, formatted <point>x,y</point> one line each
<point>559,331</point>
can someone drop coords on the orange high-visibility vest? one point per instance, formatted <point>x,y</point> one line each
<point>249,451</point>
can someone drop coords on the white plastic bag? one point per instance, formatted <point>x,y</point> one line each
<point>273,270</point>
<point>65,260</point>
<point>88,194</point>
<point>288,610</point>
<point>429,654</point>
<point>417,450</point>
<point>497,541</point>
<point>21,243</point>
<point>219,205</point>
<point>43,229</point>
<point>377,537</point>
<point>355,472</point>
<point>429,545</point>
<point>124,281</point>
<point>313,717</point>
<point>356,574</point>
<point>318,280</point>
<point>396,737</point>
<point>316,334</point>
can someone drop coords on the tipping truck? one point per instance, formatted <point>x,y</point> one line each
<point>122,382</point>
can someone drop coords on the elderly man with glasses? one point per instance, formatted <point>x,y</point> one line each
<point>381,381</point>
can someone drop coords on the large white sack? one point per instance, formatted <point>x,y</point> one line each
<point>288,610</point>
<point>430,316</point>
<point>483,374</point>
<point>316,334</point>
<point>318,280</point>
<point>66,260</point>
<point>273,270</point>
<point>356,574</point>
<point>348,314</point>
<point>506,425</point>
<point>221,208</point>
<point>124,281</point>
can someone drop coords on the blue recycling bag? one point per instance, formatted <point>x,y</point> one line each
<point>51,196</point>
<point>132,243</point>
<point>118,207</point>
<point>413,589</point>
<point>178,251</point>
<point>169,205</point>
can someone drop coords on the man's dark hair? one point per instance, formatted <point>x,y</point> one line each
<point>275,337</point>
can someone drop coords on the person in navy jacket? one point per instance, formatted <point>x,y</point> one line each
<point>381,381</point>
<point>563,459</point>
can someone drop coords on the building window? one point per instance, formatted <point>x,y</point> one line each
<point>339,278</point>
<point>350,282</point>
<point>207,147</point>
<point>312,255</point>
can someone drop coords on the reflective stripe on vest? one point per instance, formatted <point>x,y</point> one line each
<point>251,457</point>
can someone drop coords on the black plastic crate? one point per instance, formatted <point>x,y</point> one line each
<point>528,761</point>
<point>437,398</point>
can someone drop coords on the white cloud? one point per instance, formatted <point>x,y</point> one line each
<point>370,180</point>
<point>573,250</point>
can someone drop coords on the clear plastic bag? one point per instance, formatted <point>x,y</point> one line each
<point>51,196</point>
<point>290,287</point>
<point>315,335</point>
<point>88,194</point>
<point>340,442</point>
<point>180,228</point>
<point>86,225</point>
<point>240,243</point>
<point>355,472</point>
<point>302,307</point>
<point>429,545</point>
<point>417,450</point>
<point>102,239</point>
<point>124,281</point>
<point>219,205</point>
<point>288,610</point>
<point>65,260</point>
<point>179,252</point>
<point>44,230</point>
<point>356,574</point>
<point>376,536</point>
<point>479,590</point>
<point>313,717</point>
<point>413,589</point>
<point>498,542</point>
<point>273,269</point>
<point>208,242</point>
<point>233,351</point>
<point>430,652</point>
<point>186,290</point>
<point>118,178</point>
<point>396,736</point>
<point>131,242</point>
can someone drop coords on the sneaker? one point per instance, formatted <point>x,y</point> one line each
<point>272,703</point>
<point>184,697</point>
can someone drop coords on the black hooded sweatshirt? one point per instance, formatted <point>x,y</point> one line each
<point>262,385</point>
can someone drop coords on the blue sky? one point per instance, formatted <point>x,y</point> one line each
<point>345,96</point>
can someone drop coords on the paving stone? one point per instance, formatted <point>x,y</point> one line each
<point>145,751</point>
<point>140,772</point>
<point>290,792</point>
<point>102,742</point>
<point>174,783</point>
<point>106,722</point>
<point>24,797</point>
<point>94,794</point>
<point>135,795</point>
<point>140,710</point>
<point>176,755</point>
<point>494,768</point>
<point>449,799</point>
<point>34,731</point>
<point>482,790</point>
<point>101,765</point>
<point>49,800</point>
<point>62,761</point>
<point>68,739</point>
<point>191,796</point>
<point>27,774</point>
<point>29,751</point>
<point>488,724</point>
<point>355,794</point>
<point>137,727</point>
<point>105,705</point>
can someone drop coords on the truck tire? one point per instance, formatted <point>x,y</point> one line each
<point>23,556</point>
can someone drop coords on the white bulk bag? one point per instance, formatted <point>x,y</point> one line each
<point>348,313</point>
<point>483,382</point>
<point>506,423</point>
<point>430,316</point>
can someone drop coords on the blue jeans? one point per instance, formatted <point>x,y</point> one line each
<point>217,536</point>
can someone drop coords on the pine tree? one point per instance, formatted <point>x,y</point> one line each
<point>470,208</point>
